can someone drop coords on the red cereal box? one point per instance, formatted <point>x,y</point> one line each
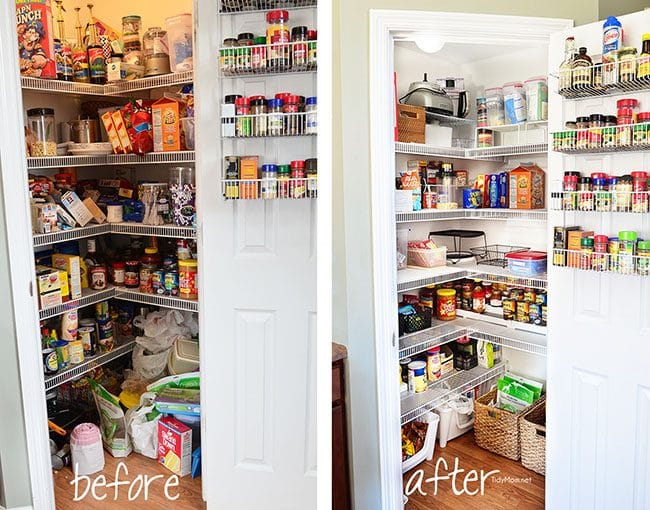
<point>175,446</point>
<point>35,31</point>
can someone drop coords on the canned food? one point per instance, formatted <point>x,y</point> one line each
<point>50,361</point>
<point>87,336</point>
<point>509,308</point>
<point>158,282</point>
<point>523,311</point>
<point>102,311</point>
<point>76,352</point>
<point>106,338</point>
<point>171,283</point>
<point>417,378</point>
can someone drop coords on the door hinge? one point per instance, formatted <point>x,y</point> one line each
<point>31,289</point>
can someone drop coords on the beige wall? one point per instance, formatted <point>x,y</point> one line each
<point>352,260</point>
<point>619,7</point>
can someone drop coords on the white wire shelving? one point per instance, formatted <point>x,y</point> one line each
<point>175,303</point>
<point>472,214</point>
<point>89,297</point>
<point>72,234</point>
<point>74,371</point>
<point>175,157</point>
<point>449,120</point>
<point>269,189</point>
<point>248,6</point>
<point>275,58</point>
<point>504,151</point>
<point>622,263</point>
<point>438,392</point>
<point>496,274</point>
<point>607,139</point>
<point>496,154</point>
<point>604,201</point>
<point>270,125</point>
<point>496,318</point>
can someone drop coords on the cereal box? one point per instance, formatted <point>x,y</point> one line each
<point>165,115</point>
<point>175,445</point>
<point>35,30</point>
<point>527,187</point>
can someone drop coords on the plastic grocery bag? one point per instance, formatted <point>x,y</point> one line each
<point>112,422</point>
<point>149,366</point>
<point>161,330</point>
<point>142,431</point>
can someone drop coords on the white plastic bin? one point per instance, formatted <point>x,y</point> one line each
<point>456,418</point>
<point>184,357</point>
<point>426,453</point>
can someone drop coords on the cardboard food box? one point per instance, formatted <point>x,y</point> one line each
<point>72,265</point>
<point>97,213</point>
<point>560,242</point>
<point>165,117</point>
<point>49,287</point>
<point>573,244</point>
<point>175,445</point>
<point>446,360</point>
<point>248,170</point>
<point>44,218</point>
<point>76,208</point>
<point>527,187</point>
<point>63,279</point>
<point>111,131</point>
<point>35,30</point>
<point>122,133</point>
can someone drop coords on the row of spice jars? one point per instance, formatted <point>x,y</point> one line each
<point>628,127</point>
<point>277,51</point>
<point>603,193</point>
<point>284,114</point>
<point>295,180</point>
<point>522,305</point>
<point>625,254</point>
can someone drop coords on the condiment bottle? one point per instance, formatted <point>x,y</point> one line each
<point>644,58</point>
<point>96,60</point>
<point>149,263</point>
<point>478,299</point>
<point>581,69</point>
<point>566,65</point>
<point>62,48</point>
<point>81,72</point>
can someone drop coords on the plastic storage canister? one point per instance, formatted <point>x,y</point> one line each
<point>417,378</point>
<point>156,52</point>
<point>627,251</point>
<point>481,112</point>
<point>187,279</point>
<point>537,98</point>
<point>179,36</point>
<point>183,191</point>
<point>86,449</point>
<point>514,102</point>
<point>495,111</point>
<point>433,363</point>
<point>485,137</point>
<point>40,122</point>
<point>643,260</point>
<point>639,192</point>
<point>311,116</point>
<point>269,181</point>
<point>599,257</point>
<point>446,304</point>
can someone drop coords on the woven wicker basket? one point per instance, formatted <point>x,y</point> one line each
<point>532,432</point>
<point>495,429</point>
<point>410,123</point>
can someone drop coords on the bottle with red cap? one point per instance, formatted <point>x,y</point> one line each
<point>298,182</point>
<point>570,188</point>
<point>278,37</point>
<point>639,192</point>
<point>243,119</point>
<point>293,119</point>
<point>312,36</point>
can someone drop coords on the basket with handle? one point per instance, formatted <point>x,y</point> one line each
<point>532,433</point>
<point>410,123</point>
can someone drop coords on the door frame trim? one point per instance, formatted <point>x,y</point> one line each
<point>385,25</point>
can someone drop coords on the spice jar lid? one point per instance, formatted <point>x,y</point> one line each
<point>600,181</point>
<point>311,164</point>
<point>446,292</point>
<point>258,102</point>
<point>596,117</point>
<point>275,103</point>
<point>582,119</point>
<point>571,174</point>
<point>627,49</point>
<point>610,118</point>
<point>482,131</point>
<point>643,116</point>
<point>613,180</point>
<point>626,178</point>
<point>570,178</point>
<point>584,180</point>
<point>312,100</point>
<point>643,245</point>
<point>188,262</point>
<point>277,16</point>
<point>570,125</point>
<point>284,169</point>
<point>639,175</point>
<point>598,175</point>
<point>270,168</point>
<point>245,36</point>
<point>299,31</point>
<point>291,99</point>
<point>283,95</point>
<point>627,235</point>
<point>628,102</point>
<point>231,98</point>
<point>242,101</point>
<point>417,365</point>
<point>39,111</point>
<point>229,41</point>
<point>587,241</point>
<point>260,39</point>
<point>601,238</point>
<point>298,163</point>
<point>312,35</point>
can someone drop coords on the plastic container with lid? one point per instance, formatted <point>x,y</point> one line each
<point>446,304</point>
<point>86,449</point>
<point>433,364</point>
<point>179,37</point>
<point>156,52</point>
<point>277,27</point>
<point>41,124</point>
<point>527,263</point>
<point>514,102</point>
<point>184,357</point>
<point>187,279</point>
<point>627,251</point>
<point>494,104</point>
<point>602,195</point>
<point>537,98</point>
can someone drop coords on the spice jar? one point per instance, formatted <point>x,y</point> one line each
<point>643,260</point>
<point>298,183</point>
<point>641,129</point>
<point>627,251</point>
<point>582,136</point>
<point>228,55</point>
<point>292,117</point>
<point>40,122</point>
<point>602,196</point>
<point>118,273</point>
<point>613,249</point>
<point>187,279</point>
<point>269,181</point>
<point>467,290</point>
<point>258,110</point>
<point>478,299</point>
<point>623,195</point>
<point>639,192</point>
<point>275,117</point>
<point>569,191</point>
<point>311,116</point>
<point>258,54</point>
<point>284,181</point>
<point>485,137</point>
<point>624,121</point>
<point>132,274</point>
<point>277,26</point>
<point>243,120</point>
<point>446,304</point>
<point>627,64</point>
<point>299,47</point>
<point>599,257</point>
<point>596,123</point>
<point>311,172</point>
<point>244,51</point>
<point>585,194</point>
<point>569,141</point>
<point>609,131</point>
<point>312,37</point>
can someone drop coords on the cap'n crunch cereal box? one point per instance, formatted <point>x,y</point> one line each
<point>175,445</point>
<point>35,31</point>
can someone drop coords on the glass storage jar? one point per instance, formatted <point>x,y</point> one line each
<point>156,52</point>
<point>639,192</point>
<point>228,55</point>
<point>582,136</point>
<point>275,117</point>
<point>299,47</point>
<point>258,110</point>
<point>40,122</point>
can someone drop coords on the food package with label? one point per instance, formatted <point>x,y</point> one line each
<point>175,445</point>
<point>526,188</point>
<point>72,265</point>
<point>35,30</point>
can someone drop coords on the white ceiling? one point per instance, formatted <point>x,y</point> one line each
<point>454,53</point>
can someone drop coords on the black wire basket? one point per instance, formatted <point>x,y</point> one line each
<point>495,254</point>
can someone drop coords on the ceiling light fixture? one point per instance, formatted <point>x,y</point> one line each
<point>428,43</point>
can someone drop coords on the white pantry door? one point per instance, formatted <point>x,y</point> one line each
<point>598,409</point>
<point>258,310</point>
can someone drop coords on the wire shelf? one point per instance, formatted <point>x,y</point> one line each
<point>64,161</point>
<point>111,89</point>
<point>268,125</point>
<point>172,231</point>
<point>470,214</point>
<point>88,364</point>
<point>172,157</point>
<point>524,341</point>
<point>275,58</point>
<point>620,263</point>
<point>605,79</point>
<point>494,274</point>
<point>89,297</point>
<point>449,120</point>
<point>522,127</point>
<point>636,202</point>
<point>440,333</point>
<point>495,254</point>
<point>269,189</point>
<point>70,234</point>
<point>247,6</point>
<point>441,391</point>
<point>507,150</point>
<point>619,138</point>
<point>156,300</point>
<point>415,278</point>
<point>490,317</point>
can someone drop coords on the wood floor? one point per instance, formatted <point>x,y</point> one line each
<point>526,493</point>
<point>189,490</point>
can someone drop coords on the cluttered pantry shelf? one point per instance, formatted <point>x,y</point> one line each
<point>90,297</point>
<point>443,332</point>
<point>415,405</point>
<point>73,234</point>
<point>90,363</point>
<point>496,153</point>
<point>412,278</point>
<point>172,157</point>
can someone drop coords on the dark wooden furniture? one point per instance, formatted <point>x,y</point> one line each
<point>341,493</point>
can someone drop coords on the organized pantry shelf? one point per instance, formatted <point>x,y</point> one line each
<point>497,319</point>
<point>496,274</point>
<point>269,125</point>
<point>441,391</point>
<point>482,153</point>
<point>175,157</point>
<point>71,234</point>
<point>602,201</point>
<point>414,278</point>
<point>111,89</point>
<point>477,214</point>
<point>601,262</point>
<point>522,127</point>
<point>440,333</point>
<point>423,149</point>
<point>619,138</point>
<point>89,297</point>
<point>248,6</point>
<point>154,299</point>
<point>269,189</point>
<point>89,363</point>
<point>268,58</point>
<point>524,341</point>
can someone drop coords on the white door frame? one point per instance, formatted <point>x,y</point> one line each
<point>384,26</point>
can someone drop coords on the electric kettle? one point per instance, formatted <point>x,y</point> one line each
<point>429,96</point>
